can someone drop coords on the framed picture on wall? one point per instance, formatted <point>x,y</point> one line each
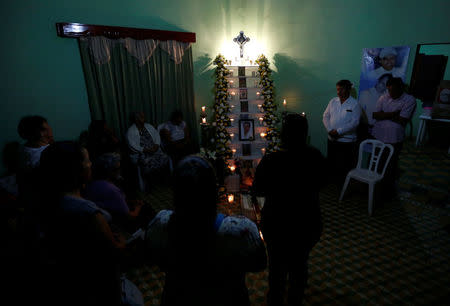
<point>246,149</point>
<point>441,105</point>
<point>241,71</point>
<point>243,94</point>
<point>246,129</point>
<point>244,106</point>
<point>242,82</point>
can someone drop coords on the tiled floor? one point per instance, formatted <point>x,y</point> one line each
<point>398,256</point>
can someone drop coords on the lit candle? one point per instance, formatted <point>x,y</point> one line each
<point>231,120</point>
<point>233,93</point>
<point>257,93</point>
<point>263,150</point>
<point>303,114</point>
<point>203,120</point>
<point>260,120</point>
<point>284,103</point>
<point>232,168</point>
<point>234,151</point>
<point>203,108</point>
<point>231,135</point>
<point>230,198</point>
<point>263,135</point>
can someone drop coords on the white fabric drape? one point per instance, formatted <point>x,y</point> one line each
<point>142,50</point>
<point>175,49</point>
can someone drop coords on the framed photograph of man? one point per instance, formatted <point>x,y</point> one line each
<point>246,129</point>
<point>243,94</point>
<point>244,106</point>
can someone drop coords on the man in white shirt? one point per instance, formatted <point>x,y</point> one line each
<point>341,118</point>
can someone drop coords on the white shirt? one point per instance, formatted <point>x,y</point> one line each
<point>33,155</point>
<point>134,138</point>
<point>176,131</point>
<point>344,118</point>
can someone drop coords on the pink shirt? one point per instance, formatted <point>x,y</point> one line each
<point>389,131</point>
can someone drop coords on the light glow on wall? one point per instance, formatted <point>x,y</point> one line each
<point>252,50</point>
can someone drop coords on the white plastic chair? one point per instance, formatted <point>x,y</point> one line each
<point>374,171</point>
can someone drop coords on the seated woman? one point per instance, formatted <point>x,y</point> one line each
<point>101,139</point>
<point>85,250</point>
<point>104,191</point>
<point>144,143</point>
<point>175,137</point>
<point>205,255</point>
<point>38,135</point>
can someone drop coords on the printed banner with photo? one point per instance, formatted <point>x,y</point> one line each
<point>377,66</point>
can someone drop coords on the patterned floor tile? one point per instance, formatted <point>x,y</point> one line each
<point>398,256</point>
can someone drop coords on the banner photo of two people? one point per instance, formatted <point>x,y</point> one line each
<point>377,66</point>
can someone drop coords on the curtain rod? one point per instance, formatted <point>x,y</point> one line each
<point>76,30</point>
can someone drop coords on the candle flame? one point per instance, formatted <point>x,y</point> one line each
<point>230,198</point>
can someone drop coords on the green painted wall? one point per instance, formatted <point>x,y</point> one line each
<point>311,45</point>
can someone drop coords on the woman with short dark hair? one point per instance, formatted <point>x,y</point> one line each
<point>83,246</point>
<point>38,135</point>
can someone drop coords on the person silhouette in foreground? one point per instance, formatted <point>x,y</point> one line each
<point>205,254</point>
<point>291,218</point>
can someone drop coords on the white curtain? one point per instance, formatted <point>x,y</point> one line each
<point>142,50</point>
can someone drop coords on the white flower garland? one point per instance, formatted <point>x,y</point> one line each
<point>270,118</point>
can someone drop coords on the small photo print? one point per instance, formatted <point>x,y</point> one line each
<point>243,94</point>
<point>246,149</point>
<point>244,106</point>
<point>241,71</point>
<point>242,82</point>
<point>246,130</point>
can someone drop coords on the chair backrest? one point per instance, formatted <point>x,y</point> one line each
<point>376,149</point>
